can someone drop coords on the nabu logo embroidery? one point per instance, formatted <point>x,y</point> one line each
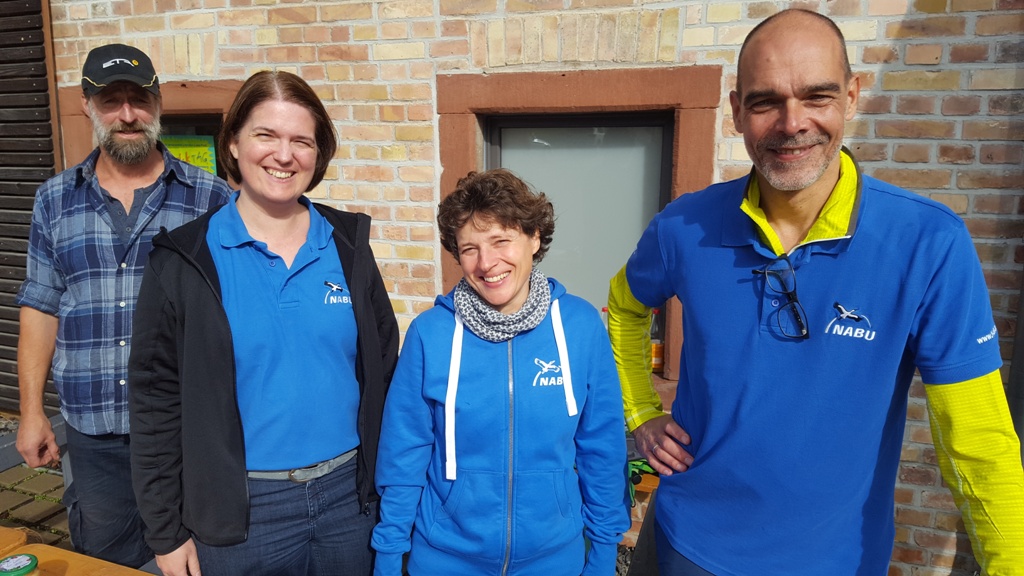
<point>547,368</point>
<point>847,323</point>
<point>336,294</point>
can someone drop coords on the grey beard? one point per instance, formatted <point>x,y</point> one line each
<point>131,153</point>
<point>127,153</point>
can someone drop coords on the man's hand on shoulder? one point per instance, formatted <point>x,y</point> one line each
<point>661,441</point>
<point>182,562</point>
<point>36,442</point>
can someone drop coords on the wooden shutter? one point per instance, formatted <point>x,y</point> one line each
<point>26,161</point>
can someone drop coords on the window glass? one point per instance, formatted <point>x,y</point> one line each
<point>606,183</point>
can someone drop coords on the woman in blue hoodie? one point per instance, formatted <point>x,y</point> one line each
<point>503,448</point>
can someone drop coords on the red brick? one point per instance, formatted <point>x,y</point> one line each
<point>843,8</point>
<point>448,48</point>
<point>912,104</point>
<point>910,453</point>
<point>733,172</point>
<point>908,555</point>
<point>1002,179</point>
<point>971,5</point>
<point>962,563</point>
<point>927,27</point>
<point>917,475</point>
<point>904,495</point>
<point>923,54</point>
<point>950,522</point>
<point>930,6</point>
<point>454,27</point>
<point>867,79</point>
<point>999,25</point>
<point>914,129</point>
<point>918,411</point>
<point>341,33</point>
<point>912,153</point>
<point>913,517</point>
<point>917,389</point>
<point>334,52</point>
<point>869,151</point>
<point>914,179</point>
<point>968,53</point>
<point>995,228</point>
<point>423,271</point>
<point>938,500</point>
<point>1006,105</point>
<point>956,154</point>
<point>941,541</point>
<point>996,252</point>
<point>879,55</point>
<point>416,288</point>
<point>920,433</point>
<point>1002,154</point>
<point>874,104</point>
<point>993,130</point>
<point>1002,280</point>
<point>961,105</point>
<point>1010,52</point>
<point>995,204</point>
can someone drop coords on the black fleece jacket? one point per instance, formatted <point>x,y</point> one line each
<point>187,447</point>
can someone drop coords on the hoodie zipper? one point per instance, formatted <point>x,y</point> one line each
<point>511,447</point>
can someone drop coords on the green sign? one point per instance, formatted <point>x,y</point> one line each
<point>196,150</point>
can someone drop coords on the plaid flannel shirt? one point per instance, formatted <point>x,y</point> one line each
<point>80,271</point>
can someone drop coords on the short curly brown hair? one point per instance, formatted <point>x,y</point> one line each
<point>500,196</point>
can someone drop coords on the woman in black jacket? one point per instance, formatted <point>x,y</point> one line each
<point>263,348</point>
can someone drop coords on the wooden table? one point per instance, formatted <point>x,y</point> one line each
<point>54,561</point>
<point>10,539</point>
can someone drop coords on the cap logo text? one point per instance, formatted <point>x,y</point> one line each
<point>117,61</point>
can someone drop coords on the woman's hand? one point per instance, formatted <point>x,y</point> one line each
<point>182,562</point>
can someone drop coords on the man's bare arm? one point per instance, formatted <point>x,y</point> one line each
<point>37,341</point>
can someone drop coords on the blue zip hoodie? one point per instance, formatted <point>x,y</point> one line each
<point>525,480</point>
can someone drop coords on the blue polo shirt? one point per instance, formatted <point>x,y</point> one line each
<point>294,337</point>
<point>796,442</point>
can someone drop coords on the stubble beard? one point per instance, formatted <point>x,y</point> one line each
<point>792,178</point>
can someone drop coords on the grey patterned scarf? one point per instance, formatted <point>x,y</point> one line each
<point>487,323</point>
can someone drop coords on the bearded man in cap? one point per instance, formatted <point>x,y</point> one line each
<point>89,242</point>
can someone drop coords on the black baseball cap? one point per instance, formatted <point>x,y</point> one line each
<point>108,64</point>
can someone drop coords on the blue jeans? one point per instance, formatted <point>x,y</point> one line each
<point>670,562</point>
<point>103,517</point>
<point>311,529</point>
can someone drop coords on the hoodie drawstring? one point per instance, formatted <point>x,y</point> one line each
<point>563,359</point>
<point>453,383</point>
<point>449,400</point>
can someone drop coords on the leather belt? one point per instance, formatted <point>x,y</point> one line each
<point>302,475</point>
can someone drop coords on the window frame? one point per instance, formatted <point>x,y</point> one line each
<point>693,94</point>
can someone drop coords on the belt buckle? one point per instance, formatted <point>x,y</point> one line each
<point>291,474</point>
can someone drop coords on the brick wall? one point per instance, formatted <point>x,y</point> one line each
<point>940,113</point>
